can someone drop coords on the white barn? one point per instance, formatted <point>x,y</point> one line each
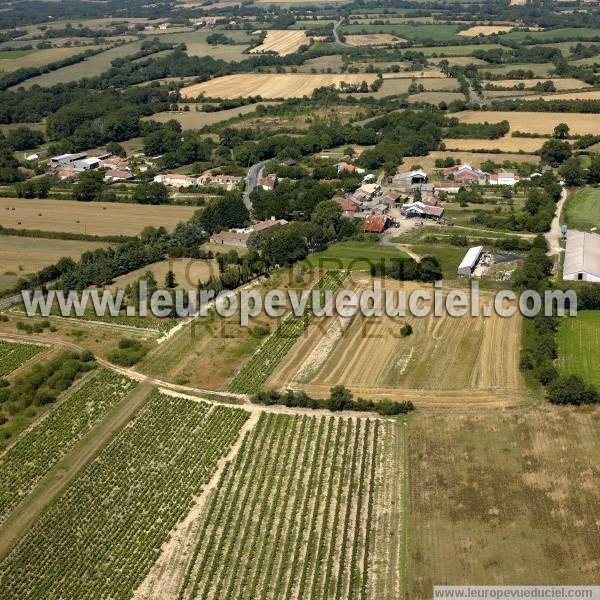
<point>582,257</point>
<point>470,260</point>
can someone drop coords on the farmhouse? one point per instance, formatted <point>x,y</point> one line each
<point>469,262</point>
<point>347,204</point>
<point>369,189</point>
<point>115,163</point>
<point>268,183</point>
<point>465,174</point>
<point>175,179</point>
<point>422,210</point>
<point>582,257</point>
<point>504,178</point>
<point>239,237</point>
<point>117,175</point>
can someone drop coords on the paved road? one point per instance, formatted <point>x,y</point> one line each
<point>254,174</point>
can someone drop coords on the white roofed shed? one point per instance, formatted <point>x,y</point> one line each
<point>470,260</point>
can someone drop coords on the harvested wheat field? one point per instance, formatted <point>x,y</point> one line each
<point>566,83</point>
<point>494,499</point>
<point>583,95</point>
<point>373,39</point>
<point>486,30</point>
<point>536,122</point>
<point>276,85</point>
<point>475,159</point>
<point>504,144</point>
<point>92,218</point>
<point>282,42</point>
<point>450,362</point>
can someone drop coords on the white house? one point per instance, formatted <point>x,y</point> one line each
<point>175,179</point>
<point>504,178</point>
<point>582,257</point>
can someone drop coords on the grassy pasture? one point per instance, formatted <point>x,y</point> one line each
<point>464,50</point>
<point>95,65</point>
<point>437,97</point>
<point>93,218</point>
<point>579,346</point>
<point>536,122</point>
<point>20,255</point>
<point>538,69</point>
<point>494,500</point>
<point>582,209</point>
<point>20,59</point>
<point>354,255</point>
<point>198,46</point>
<point>574,34</point>
<point>411,31</point>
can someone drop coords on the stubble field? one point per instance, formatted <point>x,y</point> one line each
<point>282,41</point>
<point>276,85</point>
<point>92,218</point>
<point>373,39</point>
<point>449,362</point>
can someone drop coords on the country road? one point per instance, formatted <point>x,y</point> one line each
<point>254,174</point>
<point>554,236</point>
<point>336,35</point>
<point>7,302</point>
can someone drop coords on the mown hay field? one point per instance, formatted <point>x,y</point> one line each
<point>536,122</point>
<point>92,218</point>
<point>429,73</point>
<point>453,362</point>
<point>475,159</point>
<point>579,346</point>
<point>486,30</point>
<point>20,255</point>
<point>282,41</point>
<point>277,85</point>
<point>437,97</point>
<point>582,95</point>
<point>373,39</point>
<point>582,209</point>
<point>504,144</point>
<point>494,499</point>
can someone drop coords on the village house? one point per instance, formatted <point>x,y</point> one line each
<point>115,163</point>
<point>450,187</point>
<point>369,189</point>
<point>268,183</point>
<point>239,237</point>
<point>113,175</point>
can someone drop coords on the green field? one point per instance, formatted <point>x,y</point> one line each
<point>197,45</point>
<point>539,69</point>
<point>558,35</point>
<point>93,66</point>
<point>412,32</point>
<point>354,255</point>
<point>13,355</point>
<point>579,346</point>
<point>10,54</point>
<point>448,256</point>
<point>464,50</point>
<point>582,210</point>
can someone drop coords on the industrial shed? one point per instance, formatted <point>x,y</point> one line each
<point>582,257</point>
<point>470,260</point>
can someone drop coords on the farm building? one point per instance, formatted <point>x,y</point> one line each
<point>582,257</point>
<point>504,178</point>
<point>239,237</point>
<point>409,178</point>
<point>175,179</point>
<point>117,175</point>
<point>465,174</point>
<point>65,161</point>
<point>469,262</point>
<point>422,210</point>
<point>375,224</point>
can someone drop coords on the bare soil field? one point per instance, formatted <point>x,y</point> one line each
<point>536,122</point>
<point>188,272</point>
<point>450,362</point>
<point>486,30</point>
<point>494,499</point>
<point>504,144</point>
<point>22,255</point>
<point>92,218</point>
<point>282,41</point>
<point>277,85</point>
<point>373,39</point>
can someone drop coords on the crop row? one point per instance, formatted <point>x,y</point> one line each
<point>101,537</point>
<point>13,355</point>
<point>252,376</point>
<point>291,518</point>
<point>40,448</point>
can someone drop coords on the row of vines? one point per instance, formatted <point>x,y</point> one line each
<point>261,365</point>
<point>40,448</point>
<point>13,355</point>
<point>101,537</point>
<point>292,516</point>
